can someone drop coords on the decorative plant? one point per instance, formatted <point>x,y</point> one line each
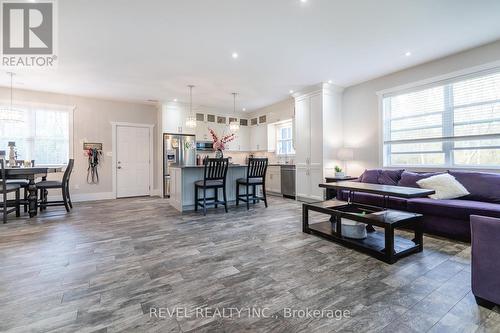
<point>220,143</point>
<point>338,169</point>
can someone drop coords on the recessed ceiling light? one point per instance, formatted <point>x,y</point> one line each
<point>330,81</point>
<point>303,1</point>
<point>175,99</point>
<point>234,55</point>
<point>408,53</point>
<point>291,91</point>
<point>244,109</point>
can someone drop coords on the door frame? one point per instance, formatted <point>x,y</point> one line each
<point>114,126</point>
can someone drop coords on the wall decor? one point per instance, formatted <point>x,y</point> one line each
<point>92,145</point>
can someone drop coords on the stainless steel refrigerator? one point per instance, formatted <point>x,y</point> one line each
<point>178,149</point>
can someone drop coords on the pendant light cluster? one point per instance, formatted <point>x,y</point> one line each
<point>10,114</point>
<point>191,118</point>
<point>234,126</point>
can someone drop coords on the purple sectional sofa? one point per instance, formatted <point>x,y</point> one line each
<point>448,218</point>
<point>485,253</point>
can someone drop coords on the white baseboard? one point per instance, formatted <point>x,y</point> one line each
<point>80,197</point>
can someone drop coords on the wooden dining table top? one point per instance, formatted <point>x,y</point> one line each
<point>9,171</point>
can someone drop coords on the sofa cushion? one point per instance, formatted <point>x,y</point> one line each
<point>445,185</point>
<point>453,208</point>
<point>409,179</point>
<point>389,177</point>
<point>370,176</point>
<point>482,186</point>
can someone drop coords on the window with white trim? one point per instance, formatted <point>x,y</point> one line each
<point>284,140</point>
<point>42,134</point>
<point>453,123</point>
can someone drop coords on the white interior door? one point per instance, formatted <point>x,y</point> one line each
<point>132,161</point>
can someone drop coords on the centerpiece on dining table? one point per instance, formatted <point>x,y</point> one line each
<point>220,144</point>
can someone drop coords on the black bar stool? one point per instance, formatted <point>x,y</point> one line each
<point>214,178</point>
<point>256,175</point>
<point>6,188</point>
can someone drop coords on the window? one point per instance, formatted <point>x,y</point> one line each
<point>284,142</point>
<point>451,124</point>
<point>42,135</point>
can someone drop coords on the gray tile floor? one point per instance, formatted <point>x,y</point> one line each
<point>108,266</point>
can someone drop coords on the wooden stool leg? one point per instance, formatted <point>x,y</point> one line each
<point>225,197</point>
<point>204,201</point>
<point>195,198</point>
<point>18,204</point>
<point>216,196</point>
<point>248,197</point>
<point>237,194</point>
<point>264,194</point>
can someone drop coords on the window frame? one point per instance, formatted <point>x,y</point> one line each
<point>469,73</point>
<point>279,127</point>
<point>70,109</point>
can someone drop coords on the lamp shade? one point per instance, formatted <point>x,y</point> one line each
<point>345,154</point>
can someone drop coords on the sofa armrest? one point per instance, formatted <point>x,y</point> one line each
<point>485,243</point>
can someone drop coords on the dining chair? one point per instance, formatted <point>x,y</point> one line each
<point>45,185</point>
<point>256,175</point>
<point>23,183</point>
<point>7,188</point>
<point>214,178</point>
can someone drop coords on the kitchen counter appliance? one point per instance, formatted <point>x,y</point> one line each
<point>288,181</point>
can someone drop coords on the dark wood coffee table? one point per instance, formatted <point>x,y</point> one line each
<point>383,245</point>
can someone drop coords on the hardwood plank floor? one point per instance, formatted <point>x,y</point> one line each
<point>107,265</point>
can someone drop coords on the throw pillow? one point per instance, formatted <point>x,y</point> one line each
<point>370,176</point>
<point>445,185</point>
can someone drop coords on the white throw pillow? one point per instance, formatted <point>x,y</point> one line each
<point>445,185</point>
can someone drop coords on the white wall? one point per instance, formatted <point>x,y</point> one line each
<point>92,123</point>
<point>360,103</point>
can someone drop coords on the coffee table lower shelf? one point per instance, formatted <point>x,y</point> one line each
<point>373,244</point>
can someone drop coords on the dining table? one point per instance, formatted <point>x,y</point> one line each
<point>31,174</point>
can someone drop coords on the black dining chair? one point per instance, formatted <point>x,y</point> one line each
<point>5,189</point>
<point>256,175</point>
<point>45,185</point>
<point>214,178</point>
<point>23,183</point>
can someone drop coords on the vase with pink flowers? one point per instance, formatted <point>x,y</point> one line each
<point>220,144</point>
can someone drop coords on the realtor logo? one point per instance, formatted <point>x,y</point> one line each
<point>28,30</point>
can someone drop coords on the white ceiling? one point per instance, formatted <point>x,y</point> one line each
<point>140,50</point>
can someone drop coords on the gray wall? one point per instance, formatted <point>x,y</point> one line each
<point>92,123</point>
<point>360,102</point>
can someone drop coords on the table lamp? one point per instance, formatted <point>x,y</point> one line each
<point>345,154</point>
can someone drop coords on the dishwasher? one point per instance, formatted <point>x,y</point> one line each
<point>288,181</point>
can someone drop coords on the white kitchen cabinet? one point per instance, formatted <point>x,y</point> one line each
<point>243,138</point>
<point>201,131</point>
<point>174,119</point>
<point>258,138</point>
<point>273,179</point>
<point>309,146</point>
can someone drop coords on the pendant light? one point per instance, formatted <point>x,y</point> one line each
<point>234,126</point>
<point>191,119</point>
<point>10,114</point>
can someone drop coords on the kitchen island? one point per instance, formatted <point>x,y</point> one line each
<point>182,180</point>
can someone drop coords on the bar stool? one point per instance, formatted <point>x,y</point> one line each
<point>256,175</point>
<point>6,188</point>
<point>214,178</point>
